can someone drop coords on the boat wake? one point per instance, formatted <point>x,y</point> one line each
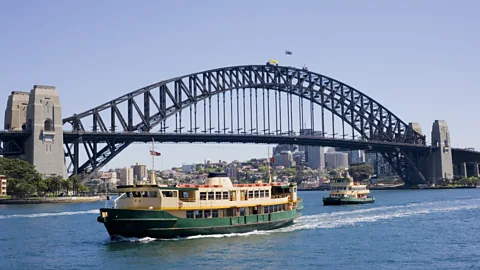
<point>36,215</point>
<point>345,218</point>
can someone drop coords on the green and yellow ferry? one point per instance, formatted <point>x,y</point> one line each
<point>218,207</point>
<point>345,191</point>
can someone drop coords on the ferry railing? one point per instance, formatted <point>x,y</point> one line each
<point>115,201</point>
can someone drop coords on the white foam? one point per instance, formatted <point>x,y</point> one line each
<point>36,215</point>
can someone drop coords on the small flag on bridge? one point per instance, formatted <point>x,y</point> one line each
<point>154,153</point>
<point>272,160</point>
<point>288,52</point>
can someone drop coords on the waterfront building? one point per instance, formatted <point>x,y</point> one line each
<point>3,185</point>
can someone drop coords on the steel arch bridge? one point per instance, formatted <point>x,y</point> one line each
<point>264,101</point>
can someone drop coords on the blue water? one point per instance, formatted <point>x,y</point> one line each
<point>424,229</point>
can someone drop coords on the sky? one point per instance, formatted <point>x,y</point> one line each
<point>417,58</point>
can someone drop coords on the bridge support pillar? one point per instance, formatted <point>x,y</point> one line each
<point>463,170</point>
<point>440,163</point>
<point>476,172</point>
<point>44,147</point>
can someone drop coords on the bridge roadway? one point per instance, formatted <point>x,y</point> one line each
<point>459,154</point>
<point>70,137</point>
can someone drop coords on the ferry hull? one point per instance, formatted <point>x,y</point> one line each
<point>160,224</point>
<point>342,201</point>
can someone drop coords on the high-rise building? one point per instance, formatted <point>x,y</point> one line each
<point>299,158</point>
<point>140,172</point>
<point>381,167</point>
<point>314,155</point>
<point>336,160</point>
<point>356,156</point>
<point>285,158</point>
<point>126,176</point>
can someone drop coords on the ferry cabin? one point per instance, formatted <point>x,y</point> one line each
<point>344,187</point>
<point>218,198</point>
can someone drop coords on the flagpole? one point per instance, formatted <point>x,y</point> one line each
<point>268,160</point>
<point>152,174</point>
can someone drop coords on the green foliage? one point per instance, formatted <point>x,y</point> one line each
<point>264,169</point>
<point>82,188</point>
<point>361,172</point>
<point>22,178</point>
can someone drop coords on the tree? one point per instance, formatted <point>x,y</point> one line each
<point>82,188</point>
<point>22,178</point>
<point>361,172</point>
<point>66,184</point>
<point>54,184</point>
<point>75,180</point>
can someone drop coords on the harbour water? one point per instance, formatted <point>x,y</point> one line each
<point>414,229</point>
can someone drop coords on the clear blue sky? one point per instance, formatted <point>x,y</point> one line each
<point>418,58</point>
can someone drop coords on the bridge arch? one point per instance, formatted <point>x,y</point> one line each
<point>164,100</point>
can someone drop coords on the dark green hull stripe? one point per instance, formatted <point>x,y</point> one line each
<point>331,201</point>
<point>161,224</point>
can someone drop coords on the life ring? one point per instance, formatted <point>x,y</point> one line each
<point>180,204</point>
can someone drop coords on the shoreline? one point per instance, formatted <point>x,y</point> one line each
<point>76,199</point>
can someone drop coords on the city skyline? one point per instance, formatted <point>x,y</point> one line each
<point>428,55</point>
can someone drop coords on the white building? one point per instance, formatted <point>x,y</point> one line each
<point>109,178</point>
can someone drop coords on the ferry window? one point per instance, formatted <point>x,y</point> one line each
<point>203,195</point>
<point>250,194</point>
<point>167,193</point>
<point>267,193</point>
<point>262,193</point>
<point>190,214</point>
<point>215,213</point>
<point>242,211</point>
<point>295,189</point>
<point>198,213</point>
<point>153,194</point>
<point>233,195</point>
<point>257,194</point>
<point>207,213</point>
<point>225,195</point>
<point>128,194</point>
<point>210,195</point>
<point>175,194</point>
<point>136,194</point>
<point>270,209</point>
<point>265,209</point>
<point>218,195</point>
<point>145,194</point>
<point>185,195</point>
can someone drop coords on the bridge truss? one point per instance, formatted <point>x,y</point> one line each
<point>253,100</point>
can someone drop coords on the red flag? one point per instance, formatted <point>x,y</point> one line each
<point>154,153</point>
<point>272,159</point>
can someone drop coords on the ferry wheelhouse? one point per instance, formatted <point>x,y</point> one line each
<point>218,207</point>
<point>345,191</point>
